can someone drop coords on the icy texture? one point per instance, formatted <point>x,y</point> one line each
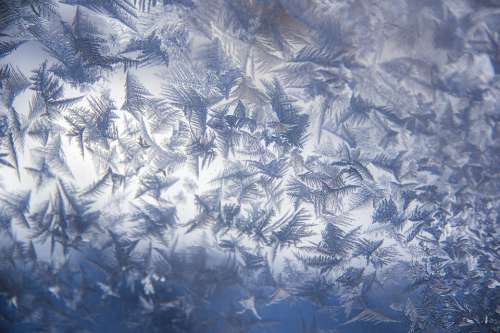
<point>249,166</point>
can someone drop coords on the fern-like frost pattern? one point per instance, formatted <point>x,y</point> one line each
<point>298,166</point>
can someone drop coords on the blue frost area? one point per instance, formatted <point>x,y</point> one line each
<point>289,166</point>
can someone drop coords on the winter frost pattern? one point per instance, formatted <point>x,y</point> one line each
<point>249,166</point>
